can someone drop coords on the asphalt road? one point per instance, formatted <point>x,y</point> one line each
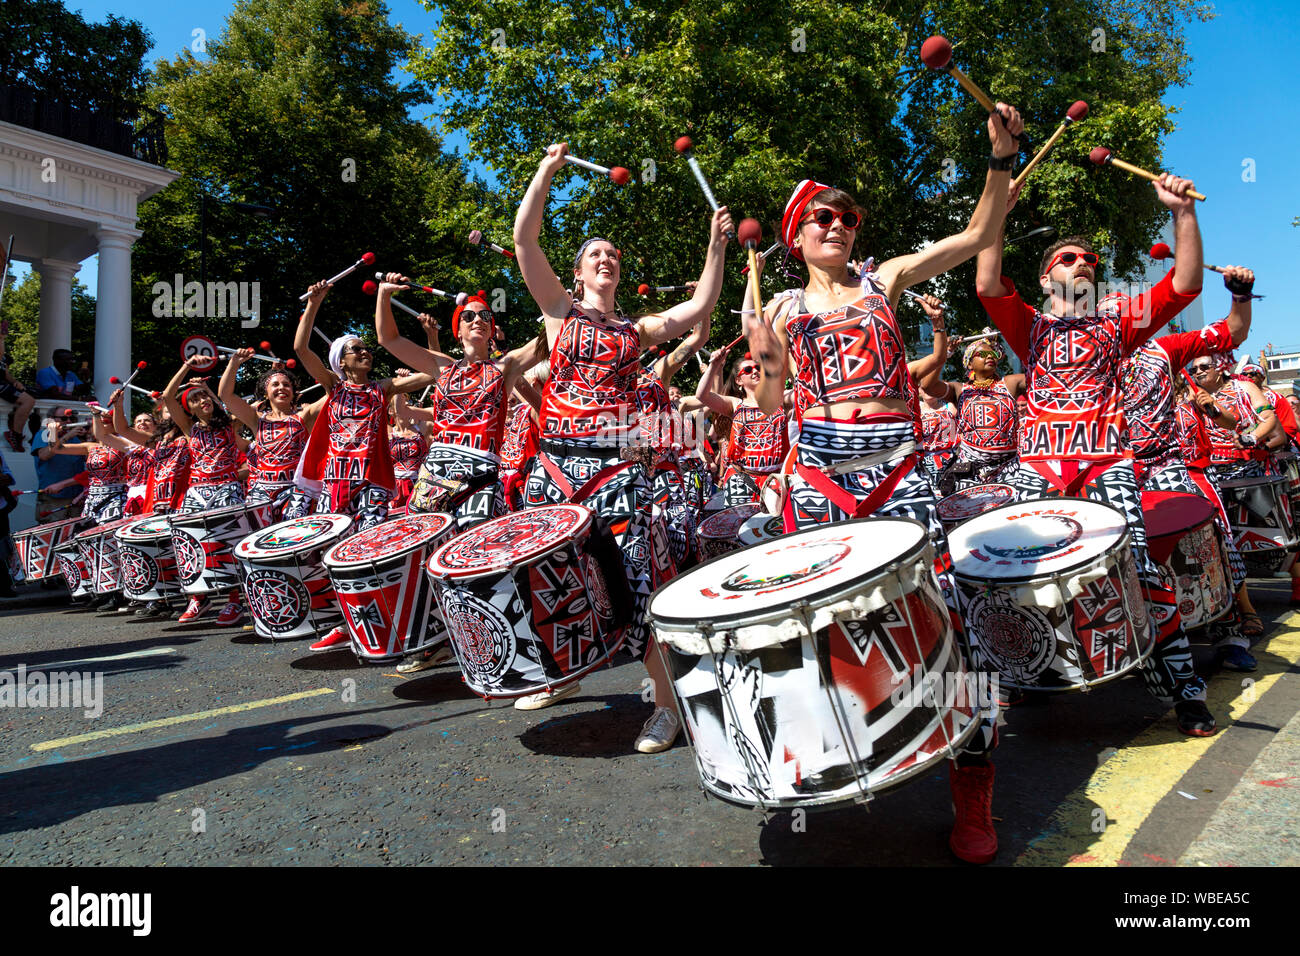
<point>253,753</point>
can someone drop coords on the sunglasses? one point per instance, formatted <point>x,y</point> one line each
<point>747,370</point>
<point>824,217</point>
<point>468,316</point>
<point>357,350</point>
<point>1202,367</point>
<point>987,355</point>
<point>1067,259</point>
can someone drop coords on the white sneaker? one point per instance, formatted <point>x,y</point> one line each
<point>659,731</point>
<point>426,660</point>
<point>546,698</point>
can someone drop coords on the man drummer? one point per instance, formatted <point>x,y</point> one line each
<point>1073,445</point>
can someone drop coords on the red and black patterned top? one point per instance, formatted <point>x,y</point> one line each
<point>469,400</point>
<point>408,453</point>
<point>106,466</point>
<point>214,455</point>
<point>987,423</point>
<point>520,443</point>
<point>589,395</point>
<point>759,441</point>
<point>280,443</point>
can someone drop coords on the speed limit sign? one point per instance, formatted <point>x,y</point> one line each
<point>202,349</point>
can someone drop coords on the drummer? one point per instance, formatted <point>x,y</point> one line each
<point>346,461</point>
<point>214,460</point>
<point>758,441</point>
<point>520,444</point>
<point>408,443</point>
<point>1147,385</point>
<point>589,407</point>
<point>1074,443</point>
<point>856,444</point>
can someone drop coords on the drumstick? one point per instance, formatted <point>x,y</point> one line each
<point>749,233</point>
<point>477,238</point>
<point>1210,409</point>
<point>683,146</point>
<point>369,288</point>
<point>617,173</point>
<point>135,388</point>
<point>460,298</point>
<point>762,256</point>
<point>937,54</point>
<point>260,358</point>
<point>366,259</point>
<point>309,388</point>
<point>1161,250</point>
<point>1077,111</point>
<point>1102,156</point>
<point>918,297</point>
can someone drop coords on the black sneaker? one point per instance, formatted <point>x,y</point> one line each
<point>1195,719</point>
<point>154,609</point>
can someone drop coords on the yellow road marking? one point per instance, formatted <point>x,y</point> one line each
<point>1129,785</point>
<point>183,719</point>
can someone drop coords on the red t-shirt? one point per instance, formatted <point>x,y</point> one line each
<point>1072,367</point>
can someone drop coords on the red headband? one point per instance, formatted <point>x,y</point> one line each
<point>455,316</point>
<point>185,398</point>
<point>803,195</point>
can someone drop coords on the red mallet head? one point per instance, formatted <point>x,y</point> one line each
<point>141,365</point>
<point>1161,250</point>
<point>114,380</point>
<point>155,395</point>
<point>265,346</point>
<point>683,144</point>
<point>1100,155</point>
<point>620,175</point>
<point>937,52</point>
<point>292,363</point>
<point>368,258</point>
<point>475,237</point>
<point>369,287</point>
<point>643,289</point>
<point>1077,111</point>
<point>750,233</point>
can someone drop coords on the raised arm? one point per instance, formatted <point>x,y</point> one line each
<point>707,391</point>
<point>237,407</point>
<point>311,362</point>
<point>1188,257</point>
<point>404,384</point>
<point>1267,417</point>
<point>402,348</point>
<point>122,427</point>
<point>1240,281</point>
<point>673,322</point>
<point>671,364</point>
<point>543,284</point>
<point>172,400</point>
<point>985,224</point>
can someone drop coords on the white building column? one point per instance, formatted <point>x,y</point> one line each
<point>113,308</point>
<point>55,328</point>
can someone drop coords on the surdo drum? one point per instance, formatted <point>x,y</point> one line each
<point>379,582</point>
<point>1262,524</point>
<point>527,600</point>
<point>73,568</point>
<point>819,667</point>
<point>289,592</point>
<point>1184,542</point>
<point>148,565</point>
<point>204,543</point>
<point>719,533</point>
<point>966,504</point>
<point>98,546</point>
<point>1051,594</point>
<point>36,546</point>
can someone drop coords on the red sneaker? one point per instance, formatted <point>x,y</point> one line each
<point>333,641</point>
<point>198,606</point>
<point>973,837</point>
<point>231,614</point>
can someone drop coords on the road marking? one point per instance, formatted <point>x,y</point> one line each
<point>150,652</point>
<point>183,719</point>
<point>1129,785</point>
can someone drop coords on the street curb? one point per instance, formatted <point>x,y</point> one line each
<point>31,597</point>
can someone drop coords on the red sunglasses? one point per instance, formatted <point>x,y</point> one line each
<point>1067,259</point>
<point>824,217</point>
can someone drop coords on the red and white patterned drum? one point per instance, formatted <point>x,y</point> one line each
<point>527,601</point>
<point>966,504</point>
<point>73,568</point>
<point>1185,544</point>
<point>1051,593</point>
<point>379,582</point>
<point>204,543</point>
<point>288,589</point>
<point>148,563</point>
<point>815,668</point>
<point>36,546</point>
<point>1262,523</point>
<point>98,546</point>
<point>719,533</point>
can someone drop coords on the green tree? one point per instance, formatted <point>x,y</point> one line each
<point>296,108</point>
<point>21,310</point>
<point>772,92</point>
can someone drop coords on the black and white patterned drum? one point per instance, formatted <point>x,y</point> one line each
<point>819,667</point>
<point>289,592</point>
<point>527,600</point>
<point>720,533</point>
<point>73,568</point>
<point>1050,593</point>
<point>36,546</point>
<point>966,504</point>
<point>204,543</point>
<point>379,582</point>
<point>1262,524</point>
<point>147,561</point>
<point>98,546</point>
<point>759,528</point>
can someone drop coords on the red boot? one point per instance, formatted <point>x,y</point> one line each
<point>973,837</point>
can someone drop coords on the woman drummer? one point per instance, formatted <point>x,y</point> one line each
<point>214,461</point>
<point>408,443</point>
<point>105,465</point>
<point>589,407</point>
<point>856,452</point>
<point>346,461</point>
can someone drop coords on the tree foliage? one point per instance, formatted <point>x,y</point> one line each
<point>21,309</point>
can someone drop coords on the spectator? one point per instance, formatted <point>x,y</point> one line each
<point>59,380</point>
<point>52,469</point>
<point>7,504</point>
<point>12,390</point>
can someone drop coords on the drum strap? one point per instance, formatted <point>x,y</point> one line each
<point>588,488</point>
<point>848,502</point>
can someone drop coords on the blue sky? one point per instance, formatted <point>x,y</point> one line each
<point>1237,107</point>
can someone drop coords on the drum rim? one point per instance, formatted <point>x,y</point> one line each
<point>244,507</point>
<point>298,548</point>
<point>331,562</point>
<point>1125,538</point>
<point>585,528</point>
<point>50,525</point>
<point>784,611</point>
<point>122,532</point>
<point>108,527</point>
<point>964,493</point>
<point>1257,481</point>
<point>699,530</point>
<point>1209,518</point>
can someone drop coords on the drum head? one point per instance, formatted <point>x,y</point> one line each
<point>110,529</point>
<point>513,539</point>
<point>814,565</point>
<point>391,539</point>
<point>969,502</point>
<point>296,534</point>
<point>148,529</point>
<point>1173,512</point>
<point>760,528</point>
<point>1032,539</point>
<point>726,524</point>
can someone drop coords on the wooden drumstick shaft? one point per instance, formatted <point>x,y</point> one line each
<point>972,88</point>
<point>1139,171</point>
<point>753,283</point>
<point>1051,141</point>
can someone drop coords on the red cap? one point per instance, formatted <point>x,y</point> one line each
<point>455,316</point>
<point>620,175</point>
<point>683,144</point>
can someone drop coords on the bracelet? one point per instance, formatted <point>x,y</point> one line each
<point>1242,298</point>
<point>1002,164</point>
